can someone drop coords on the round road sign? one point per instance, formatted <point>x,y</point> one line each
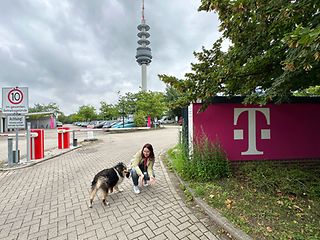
<point>15,96</point>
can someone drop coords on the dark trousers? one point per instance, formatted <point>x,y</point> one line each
<point>135,177</point>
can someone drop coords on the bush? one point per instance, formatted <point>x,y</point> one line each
<point>208,161</point>
<point>139,119</point>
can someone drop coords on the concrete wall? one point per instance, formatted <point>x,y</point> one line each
<point>251,132</point>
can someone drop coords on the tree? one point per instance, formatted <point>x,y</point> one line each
<point>74,118</point>
<point>51,107</point>
<point>108,111</point>
<point>171,98</point>
<point>40,108</point>
<point>150,103</point>
<point>87,113</point>
<point>275,52</point>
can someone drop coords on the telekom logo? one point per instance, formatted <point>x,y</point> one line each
<point>238,133</point>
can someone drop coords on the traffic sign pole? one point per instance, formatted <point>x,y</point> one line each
<point>17,146</point>
<point>28,141</point>
<point>10,155</point>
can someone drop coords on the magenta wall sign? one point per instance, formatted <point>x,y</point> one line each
<point>249,132</point>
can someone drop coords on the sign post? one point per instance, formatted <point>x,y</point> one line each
<point>15,102</point>
<point>28,141</point>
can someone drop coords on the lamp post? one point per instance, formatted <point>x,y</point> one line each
<point>121,106</point>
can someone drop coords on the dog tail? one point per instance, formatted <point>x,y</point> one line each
<point>93,183</point>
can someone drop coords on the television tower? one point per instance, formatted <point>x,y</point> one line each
<point>143,52</point>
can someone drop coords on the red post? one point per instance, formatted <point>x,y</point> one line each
<point>149,121</point>
<point>63,138</point>
<point>37,144</point>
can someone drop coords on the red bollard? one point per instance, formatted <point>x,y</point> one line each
<point>149,121</point>
<point>37,144</point>
<point>63,138</point>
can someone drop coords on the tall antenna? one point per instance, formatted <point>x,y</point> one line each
<point>142,15</point>
<point>143,55</point>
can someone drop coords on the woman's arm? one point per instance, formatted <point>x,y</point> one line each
<point>151,171</point>
<point>135,163</point>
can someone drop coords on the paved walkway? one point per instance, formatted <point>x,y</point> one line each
<point>50,200</point>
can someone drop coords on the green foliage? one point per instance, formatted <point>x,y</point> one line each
<point>73,118</point>
<point>142,103</point>
<point>267,200</point>
<point>311,91</point>
<point>63,118</point>
<point>290,179</point>
<point>264,199</point>
<point>126,104</point>
<point>51,107</point>
<point>87,113</point>
<point>154,104</point>
<point>179,157</point>
<point>172,97</point>
<point>208,162</point>
<point>139,119</point>
<point>151,103</point>
<point>199,191</point>
<point>108,111</point>
<point>274,52</point>
<point>188,195</point>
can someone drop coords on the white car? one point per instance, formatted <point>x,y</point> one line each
<point>166,120</point>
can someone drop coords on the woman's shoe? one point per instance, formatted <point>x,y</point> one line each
<point>136,189</point>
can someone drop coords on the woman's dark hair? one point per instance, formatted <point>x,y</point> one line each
<point>150,148</point>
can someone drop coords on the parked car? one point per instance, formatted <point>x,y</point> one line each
<point>166,120</point>
<point>96,124</point>
<point>99,124</point>
<point>127,124</point>
<point>109,124</point>
<point>59,124</point>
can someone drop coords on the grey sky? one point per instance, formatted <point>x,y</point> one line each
<point>79,52</point>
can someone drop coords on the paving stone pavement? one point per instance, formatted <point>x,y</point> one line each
<point>50,200</point>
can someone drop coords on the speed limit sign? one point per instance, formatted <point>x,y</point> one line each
<point>15,100</point>
<point>15,96</point>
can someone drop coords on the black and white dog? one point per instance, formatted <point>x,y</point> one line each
<point>107,180</point>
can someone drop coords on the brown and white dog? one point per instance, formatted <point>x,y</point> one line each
<point>107,180</point>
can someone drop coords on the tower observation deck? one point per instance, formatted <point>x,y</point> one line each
<point>143,56</point>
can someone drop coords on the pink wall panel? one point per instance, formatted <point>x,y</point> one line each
<point>249,132</point>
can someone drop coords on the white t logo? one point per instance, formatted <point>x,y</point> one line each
<point>238,133</point>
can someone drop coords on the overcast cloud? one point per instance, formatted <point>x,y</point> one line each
<point>79,52</point>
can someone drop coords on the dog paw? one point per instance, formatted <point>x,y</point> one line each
<point>106,203</point>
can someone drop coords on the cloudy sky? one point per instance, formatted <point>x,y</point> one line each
<point>80,52</point>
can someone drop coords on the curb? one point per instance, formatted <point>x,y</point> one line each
<point>213,214</point>
<point>35,162</point>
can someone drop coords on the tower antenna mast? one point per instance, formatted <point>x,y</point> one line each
<point>143,55</point>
